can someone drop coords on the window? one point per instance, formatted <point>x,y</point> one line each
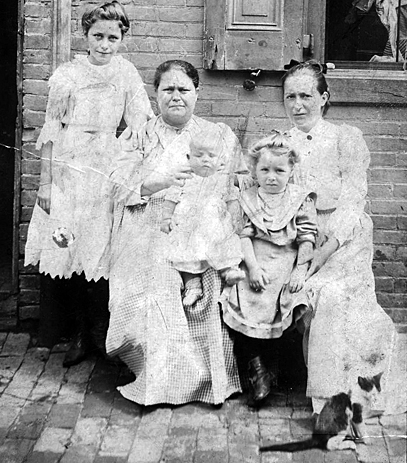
<point>268,34</point>
<point>360,31</point>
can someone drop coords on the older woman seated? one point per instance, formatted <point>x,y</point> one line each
<point>178,354</point>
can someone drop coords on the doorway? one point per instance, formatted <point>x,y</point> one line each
<point>8,117</point>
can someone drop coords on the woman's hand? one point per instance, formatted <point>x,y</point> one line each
<point>297,279</point>
<point>159,180</point>
<point>166,226</point>
<point>321,255</point>
<point>258,279</point>
<point>44,197</point>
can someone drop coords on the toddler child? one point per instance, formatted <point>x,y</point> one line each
<point>277,242</point>
<point>199,218</point>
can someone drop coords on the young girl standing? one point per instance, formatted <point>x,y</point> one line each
<point>70,229</point>
<point>277,243</point>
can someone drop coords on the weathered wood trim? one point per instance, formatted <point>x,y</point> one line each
<point>61,32</point>
<point>18,145</point>
<point>214,35</point>
<point>368,88</point>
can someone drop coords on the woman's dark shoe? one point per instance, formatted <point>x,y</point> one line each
<point>260,379</point>
<point>77,352</point>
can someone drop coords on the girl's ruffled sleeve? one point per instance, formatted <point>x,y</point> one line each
<point>60,91</point>
<point>138,108</point>
<point>354,158</point>
<point>306,221</point>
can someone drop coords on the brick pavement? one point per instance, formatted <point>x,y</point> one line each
<point>50,414</point>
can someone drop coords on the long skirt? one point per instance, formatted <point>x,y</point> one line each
<point>177,355</point>
<point>349,334</point>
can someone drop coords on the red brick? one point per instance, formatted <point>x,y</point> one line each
<point>402,223</point>
<point>397,315</point>
<point>392,300</point>
<point>29,297</point>
<point>30,182</point>
<point>395,269</point>
<point>28,197</point>
<point>389,237</point>
<point>36,71</point>
<point>37,56</point>
<point>184,15</point>
<point>194,31</point>
<point>388,175</point>
<point>36,10</point>
<point>26,214</point>
<point>142,13</point>
<point>402,159</point>
<point>384,253</point>
<point>384,285</point>
<point>35,102</point>
<point>33,118</point>
<point>164,45</point>
<point>400,285</point>
<point>400,190</point>
<point>38,26</point>
<point>152,29</point>
<point>30,281</point>
<point>37,41</point>
<point>384,222</point>
<point>36,87</point>
<point>29,312</point>
<point>31,166</point>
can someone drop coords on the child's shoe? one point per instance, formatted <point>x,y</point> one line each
<point>233,275</point>
<point>192,293</point>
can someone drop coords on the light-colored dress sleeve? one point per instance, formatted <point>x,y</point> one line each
<point>61,87</point>
<point>306,221</point>
<point>138,107</point>
<point>354,159</point>
<point>127,178</point>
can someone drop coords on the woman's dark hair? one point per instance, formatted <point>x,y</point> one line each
<point>184,66</point>
<point>111,11</point>
<point>314,68</point>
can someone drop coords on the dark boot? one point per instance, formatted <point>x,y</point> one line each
<point>260,379</point>
<point>98,313</point>
<point>79,348</point>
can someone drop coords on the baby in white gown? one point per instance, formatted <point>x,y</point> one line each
<point>201,218</point>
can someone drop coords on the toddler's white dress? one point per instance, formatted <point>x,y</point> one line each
<point>203,233</point>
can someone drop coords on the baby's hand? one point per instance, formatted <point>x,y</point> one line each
<point>258,279</point>
<point>166,226</point>
<point>297,279</point>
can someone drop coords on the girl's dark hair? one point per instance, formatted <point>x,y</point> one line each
<point>184,66</point>
<point>278,143</point>
<point>111,11</point>
<point>315,69</point>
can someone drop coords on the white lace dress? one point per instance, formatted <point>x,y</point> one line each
<point>350,334</point>
<point>85,106</point>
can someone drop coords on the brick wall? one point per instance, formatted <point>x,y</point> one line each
<point>168,29</point>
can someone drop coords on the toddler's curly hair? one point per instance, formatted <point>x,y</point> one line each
<point>278,143</point>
